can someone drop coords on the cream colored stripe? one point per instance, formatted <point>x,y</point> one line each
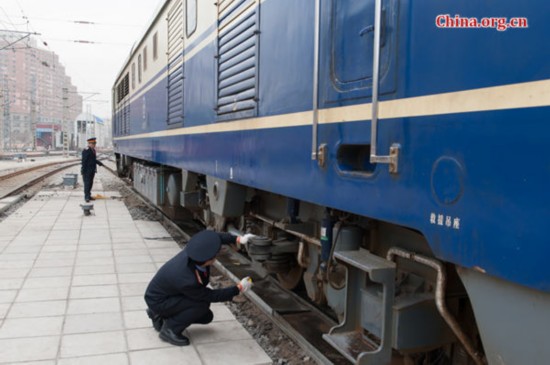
<point>524,95</point>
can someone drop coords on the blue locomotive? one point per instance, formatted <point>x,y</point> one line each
<point>390,153</point>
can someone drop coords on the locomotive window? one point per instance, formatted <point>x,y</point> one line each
<point>133,76</point>
<point>144,58</point>
<point>139,69</point>
<point>191,16</point>
<point>155,46</point>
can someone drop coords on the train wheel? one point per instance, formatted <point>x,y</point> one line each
<point>291,278</point>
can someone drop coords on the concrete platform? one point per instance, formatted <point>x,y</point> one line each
<point>71,290</point>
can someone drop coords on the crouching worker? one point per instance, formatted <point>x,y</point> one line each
<point>177,295</point>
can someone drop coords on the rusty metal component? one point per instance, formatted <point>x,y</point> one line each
<point>282,227</point>
<point>441,284</point>
<point>301,257</point>
<point>291,278</point>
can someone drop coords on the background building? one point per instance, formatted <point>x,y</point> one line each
<point>36,95</point>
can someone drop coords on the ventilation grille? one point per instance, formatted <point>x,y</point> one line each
<point>175,63</point>
<point>238,40</point>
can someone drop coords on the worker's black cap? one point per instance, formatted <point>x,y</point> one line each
<point>93,139</point>
<point>203,246</point>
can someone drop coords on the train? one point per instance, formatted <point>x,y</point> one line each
<point>389,155</point>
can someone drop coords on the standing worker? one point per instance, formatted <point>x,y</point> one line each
<point>177,295</point>
<point>89,168</point>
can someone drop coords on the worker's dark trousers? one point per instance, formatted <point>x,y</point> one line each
<point>181,313</point>
<point>88,183</point>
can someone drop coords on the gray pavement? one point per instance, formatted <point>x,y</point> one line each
<point>71,290</point>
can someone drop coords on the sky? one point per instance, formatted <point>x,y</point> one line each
<point>92,67</point>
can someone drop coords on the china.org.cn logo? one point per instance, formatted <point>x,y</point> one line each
<point>499,23</point>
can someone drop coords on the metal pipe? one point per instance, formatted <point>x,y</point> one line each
<point>281,226</point>
<point>300,256</point>
<point>441,284</point>
<point>314,136</point>
<point>375,79</point>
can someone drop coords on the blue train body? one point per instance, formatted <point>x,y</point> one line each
<point>470,109</point>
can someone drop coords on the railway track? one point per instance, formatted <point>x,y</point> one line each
<point>13,183</point>
<point>294,315</point>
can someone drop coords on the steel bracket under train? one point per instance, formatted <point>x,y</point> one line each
<point>396,172</point>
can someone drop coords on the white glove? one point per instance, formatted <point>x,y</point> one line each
<point>245,284</point>
<point>243,240</point>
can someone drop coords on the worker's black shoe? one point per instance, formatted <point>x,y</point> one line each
<point>166,334</point>
<point>156,319</point>
<point>92,198</point>
<point>87,200</point>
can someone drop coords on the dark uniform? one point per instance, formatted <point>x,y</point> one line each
<point>88,169</point>
<point>177,295</point>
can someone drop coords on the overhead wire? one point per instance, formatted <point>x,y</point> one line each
<point>86,22</point>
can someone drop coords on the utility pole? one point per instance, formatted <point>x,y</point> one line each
<point>90,131</point>
<point>33,110</point>
<point>64,123</point>
<point>6,128</point>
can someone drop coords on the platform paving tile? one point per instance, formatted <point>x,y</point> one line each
<point>95,305</point>
<point>64,235</point>
<point>112,359</point>
<point>57,256</point>
<point>22,249</point>
<point>6,284</point>
<point>61,242</point>
<point>44,272</point>
<point>52,282</point>
<point>221,312</point>
<point>136,268</point>
<point>144,338</point>
<point>4,310</point>
<point>93,291</point>
<point>37,309</point>
<point>25,264</point>
<point>59,248</point>
<point>82,261</point>
<point>218,332</point>
<point>7,296</point>
<point>138,259</point>
<point>129,245</point>
<point>97,269</point>
<point>99,279</point>
<point>130,252</point>
<point>17,256</point>
<point>170,355</point>
<point>136,319</point>
<point>105,248</point>
<point>13,273</point>
<point>135,278</point>
<point>45,362</point>
<point>42,294</point>
<point>133,303</point>
<point>99,343</point>
<point>71,291</point>
<point>28,349</point>
<point>93,322</point>
<point>31,327</point>
<point>241,352</point>
<point>132,289</point>
<point>54,262</point>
